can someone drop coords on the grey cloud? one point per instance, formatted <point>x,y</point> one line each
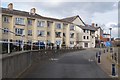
<point>66,9</point>
<point>113,25</point>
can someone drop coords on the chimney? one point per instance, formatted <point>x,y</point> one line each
<point>93,24</point>
<point>10,6</point>
<point>33,11</point>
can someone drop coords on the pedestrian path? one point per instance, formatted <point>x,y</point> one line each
<point>106,63</point>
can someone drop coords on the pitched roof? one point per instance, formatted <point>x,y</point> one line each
<point>117,39</point>
<point>71,19</point>
<point>105,34</point>
<point>89,27</point>
<point>27,14</point>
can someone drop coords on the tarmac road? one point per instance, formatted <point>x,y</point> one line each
<point>79,64</point>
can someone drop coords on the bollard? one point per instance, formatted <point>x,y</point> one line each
<point>113,70</point>
<point>107,50</point>
<point>115,58</point>
<point>112,56</point>
<point>111,50</point>
<point>99,59</point>
<point>104,51</point>
<point>100,53</point>
<point>96,55</point>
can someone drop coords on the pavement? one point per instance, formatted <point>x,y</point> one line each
<point>78,64</point>
<point>106,63</point>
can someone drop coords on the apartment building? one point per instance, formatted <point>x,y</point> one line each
<point>85,34</point>
<point>30,27</point>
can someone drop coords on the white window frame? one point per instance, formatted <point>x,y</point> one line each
<point>29,42</point>
<point>40,23</point>
<point>29,22</point>
<point>87,37</point>
<point>71,35</point>
<point>72,27</point>
<point>5,19</point>
<point>58,26</point>
<point>20,21</point>
<point>71,42</point>
<point>84,37</point>
<point>29,32</point>
<point>58,42</point>
<point>5,31</point>
<point>56,33</point>
<point>49,33</point>
<point>18,31</point>
<point>41,33</point>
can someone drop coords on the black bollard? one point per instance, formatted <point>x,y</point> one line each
<point>112,56</point>
<point>99,59</point>
<point>113,70</point>
<point>104,51</point>
<point>100,53</point>
<point>107,50</point>
<point>96,54</point>
<point>111,50</point>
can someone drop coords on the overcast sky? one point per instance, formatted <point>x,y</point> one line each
<point>103,13</point>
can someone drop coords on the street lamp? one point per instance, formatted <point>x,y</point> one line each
<point>110,34</point>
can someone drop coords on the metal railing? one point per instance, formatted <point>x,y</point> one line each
<point>12,46</point>
<point>9,44</point>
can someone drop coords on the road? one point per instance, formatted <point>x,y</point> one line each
<point>79,64</point>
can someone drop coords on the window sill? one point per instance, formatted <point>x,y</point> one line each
<point>29,24</point>
<point>20,24</point>
<point>41,26</point>
<point>72,30</point>
<point>29,35</point>
<point>41,36</point>
<point>5,33</point>
<point>20,35</point>
<point>58,28</point>
<point>6,22</point>
<point>58,37</point>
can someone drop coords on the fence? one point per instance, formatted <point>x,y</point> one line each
<point>14,64</point>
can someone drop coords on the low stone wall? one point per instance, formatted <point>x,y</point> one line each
<point>15,63</point>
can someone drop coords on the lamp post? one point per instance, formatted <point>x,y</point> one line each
<point>110,34</point>
<point>110,40</point>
